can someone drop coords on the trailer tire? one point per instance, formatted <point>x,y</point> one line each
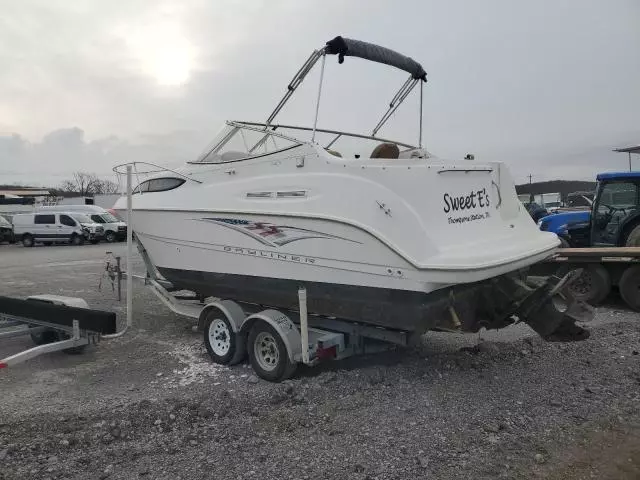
<point>268,353</point>
<point>225,346</point>
<point>593,286</point>
<point>630,287</point>
<point>633,239</point>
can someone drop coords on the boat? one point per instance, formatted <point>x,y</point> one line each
<point>380,232</point>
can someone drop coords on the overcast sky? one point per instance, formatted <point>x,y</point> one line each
<point>547,86</point>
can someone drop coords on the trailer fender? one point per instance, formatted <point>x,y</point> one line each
<point>230,309</point>
<point>283,325</point>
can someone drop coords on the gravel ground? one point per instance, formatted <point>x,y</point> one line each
<point>150,405</point>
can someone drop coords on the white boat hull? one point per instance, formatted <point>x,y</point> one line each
<point>337,253</point>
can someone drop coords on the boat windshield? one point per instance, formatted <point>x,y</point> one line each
<point>235,142</point>
<point>240,140</point>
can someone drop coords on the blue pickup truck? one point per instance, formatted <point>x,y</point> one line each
<point>614,218</point>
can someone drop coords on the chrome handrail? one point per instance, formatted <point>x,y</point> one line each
<point>160,167</point>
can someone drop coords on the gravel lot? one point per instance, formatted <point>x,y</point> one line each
<point>150,405</point>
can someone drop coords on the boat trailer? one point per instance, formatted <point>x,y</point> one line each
<point>276,341</point>
<point>55,323</point>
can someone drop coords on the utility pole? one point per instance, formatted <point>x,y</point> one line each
<point>530,177</point>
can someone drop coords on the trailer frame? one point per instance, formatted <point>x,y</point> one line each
<point>49,335</point>
<point>603,268</point>
<point>305,338</point>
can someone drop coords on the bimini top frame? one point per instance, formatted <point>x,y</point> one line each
<point>347,47</point>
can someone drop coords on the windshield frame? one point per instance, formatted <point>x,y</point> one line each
<point>234,127</point>
<point>231,130</point>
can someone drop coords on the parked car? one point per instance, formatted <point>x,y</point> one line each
<point>114,229</point>
<point>55,227</point>
<point>6,231</point>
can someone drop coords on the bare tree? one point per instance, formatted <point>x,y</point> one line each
<point>106,187</point>
<point>67,186</point>
<point>87,184</point>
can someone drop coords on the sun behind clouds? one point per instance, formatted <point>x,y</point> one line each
<point>162,51</point>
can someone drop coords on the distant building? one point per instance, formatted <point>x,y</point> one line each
<point>25,192</point>
<point>104,201</point>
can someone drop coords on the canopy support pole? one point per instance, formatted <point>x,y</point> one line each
<point>421,95</point>
<point>315,120</point>
<point>396,101</point>
<point>295,82</point>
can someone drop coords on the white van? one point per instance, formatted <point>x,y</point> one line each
<point>55,227</point>
<point>114,229</point>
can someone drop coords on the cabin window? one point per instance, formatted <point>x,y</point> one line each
<point>159,185</point>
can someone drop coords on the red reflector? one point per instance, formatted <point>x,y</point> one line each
<point>324,353</point>
<point>3,365</point>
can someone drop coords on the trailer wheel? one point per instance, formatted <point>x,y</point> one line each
<point>592,286</point>
<point>268,354</point>
<point>630,287</point>
<point>224,345</point>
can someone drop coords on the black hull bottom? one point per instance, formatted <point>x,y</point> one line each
<point>385,307</point>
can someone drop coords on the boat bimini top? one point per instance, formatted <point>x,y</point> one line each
<point>342,47</point>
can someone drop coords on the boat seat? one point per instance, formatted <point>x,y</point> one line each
<point>386,150</point>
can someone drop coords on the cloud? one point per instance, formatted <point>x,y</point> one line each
<point>547,87</point>
<point>62,152</point>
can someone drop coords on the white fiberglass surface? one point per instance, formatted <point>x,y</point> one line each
<point>431,214</point>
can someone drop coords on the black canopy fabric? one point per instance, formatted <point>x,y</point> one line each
<point>355,48</point>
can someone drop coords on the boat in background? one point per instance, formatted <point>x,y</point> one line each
<point>379,231</point>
